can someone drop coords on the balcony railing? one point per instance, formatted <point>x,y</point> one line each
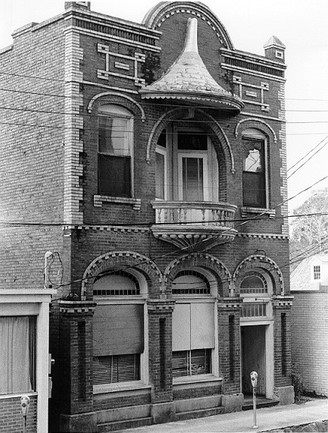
<point>194,224</point>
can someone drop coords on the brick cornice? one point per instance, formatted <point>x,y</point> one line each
<point>230,303</point>
<point>282,302</point>
<point>160,306</point>
<point>77,307</point>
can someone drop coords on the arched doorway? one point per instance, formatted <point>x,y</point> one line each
<point>257,332</point>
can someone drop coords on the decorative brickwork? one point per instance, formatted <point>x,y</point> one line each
<point>120,260</point>
<point>188,262</point>
<point>261,262</point>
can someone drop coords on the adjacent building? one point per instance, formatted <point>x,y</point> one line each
<point>309,287</point>
<point>147,163</point>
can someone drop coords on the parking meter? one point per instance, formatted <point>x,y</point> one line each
<point>25,402</point>
<point>254,377</point>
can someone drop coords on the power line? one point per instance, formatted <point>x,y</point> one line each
<point>310,157</point>
<point>198,243</point>
<point>311,150</point>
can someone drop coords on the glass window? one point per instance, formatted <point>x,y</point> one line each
<point>118,329</point>
<point>17,354</point>
<point>116,368</point>
<point>191,362</point>
<point>186,165</point>
<point>115,135</point>
<point>254,184</point>
<point>316,272</point>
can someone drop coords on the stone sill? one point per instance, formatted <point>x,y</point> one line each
<point>245,211</point>
<point>123,387</point>
<point>199,381</point>
<point>98,201</point>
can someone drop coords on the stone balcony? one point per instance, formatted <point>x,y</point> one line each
<point>194,225</point>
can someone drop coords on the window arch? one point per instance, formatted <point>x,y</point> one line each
<point>255,169</point>
<point>115,151</point>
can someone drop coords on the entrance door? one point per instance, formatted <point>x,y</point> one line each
<point>253,358</point>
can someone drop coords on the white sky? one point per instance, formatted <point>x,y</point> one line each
<point>302,25</point>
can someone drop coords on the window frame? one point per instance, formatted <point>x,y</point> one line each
<point>316,272</point>
<point>173,186</point>
<point>116,300</point>
<point>17,302</point>
<point>117,111</point>
<point>210,298</point>
<point>255,135</point>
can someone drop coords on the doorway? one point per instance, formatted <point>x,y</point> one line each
<point>253,358</point>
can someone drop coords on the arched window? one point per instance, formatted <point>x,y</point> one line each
<point>255,176</point>
<point>256,289</point>
<point>118,328</point>
<point>254,282</point>
<point>115,151</point>
<point>186,165</point>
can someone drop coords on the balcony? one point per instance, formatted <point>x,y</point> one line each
<point>194,225</point>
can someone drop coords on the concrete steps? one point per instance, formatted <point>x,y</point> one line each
<point>181,416</point>
<point>260,403</point>
<point>110,420</point>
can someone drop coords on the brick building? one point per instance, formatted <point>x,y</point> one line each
<point>309,287</point>
<point>150,161</point>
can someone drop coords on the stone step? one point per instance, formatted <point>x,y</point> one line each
<point>123,425</point>
<point>181,416</point>
<point>261,403</point>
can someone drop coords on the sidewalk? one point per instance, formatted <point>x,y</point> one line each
<point>267,419</point>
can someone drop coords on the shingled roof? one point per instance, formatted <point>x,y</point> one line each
<point>189,81</point>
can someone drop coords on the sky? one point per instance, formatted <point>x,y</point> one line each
<point>300,24</point>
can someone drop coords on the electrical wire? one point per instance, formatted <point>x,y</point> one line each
<point>178,252</point>
<point>309,159</point>
<point>308,153</point>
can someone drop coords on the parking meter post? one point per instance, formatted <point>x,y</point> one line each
<point>254,377</point>
<point>254,408</point>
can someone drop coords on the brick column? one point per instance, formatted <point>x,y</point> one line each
<point>282,348</point>
<point>76,366</point>
<point>229,343</point>
<point>160,359</point>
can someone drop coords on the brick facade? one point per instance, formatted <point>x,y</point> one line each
<point>309,339</point>
<point>85,61</point>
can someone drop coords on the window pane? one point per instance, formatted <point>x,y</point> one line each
<point>114,176</point>
<point>254,189</point>
<point>192,141</point>
<point>114,136</point>
<point>316,273</point>
<point>116,368</point>
<point>191,362</point>
<point>254,192</point>
<point>253,162</point>
<point>180,363</point>
<point>192,178</point>
<point>160,176</point>
<point>17,354</point>
<point>200,361</point>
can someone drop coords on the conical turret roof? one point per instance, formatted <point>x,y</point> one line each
<point>189,81</point>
